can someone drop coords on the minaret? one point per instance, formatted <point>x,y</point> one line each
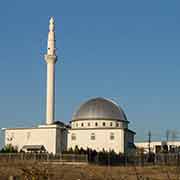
<point>50,59</point>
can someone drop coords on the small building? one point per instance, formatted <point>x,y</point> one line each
<point>53,138</point>
<point>159,146</point>
<point>34,148</point>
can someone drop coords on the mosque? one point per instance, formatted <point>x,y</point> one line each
<point>99,123</point>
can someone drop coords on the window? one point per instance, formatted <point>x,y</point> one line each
<point>93,137</point>
<point>73,136</point>
<point>111,123</point>
<point>117,124</point>
<point>12,134</point>
<point>96,124</point>
<point>89,124</point>
<point>82,124</point>
<point>76,124</point>
<point>104,124</point>
<point>111,136</point>
<point>28,135</point>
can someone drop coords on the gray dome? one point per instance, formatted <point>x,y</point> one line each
<point>99,108</point>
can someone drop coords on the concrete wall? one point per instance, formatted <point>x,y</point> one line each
<point>129,141</point>
<point>102,139</point>
<point>48,136</point>
<point>61,140</point>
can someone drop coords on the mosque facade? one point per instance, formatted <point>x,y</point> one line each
<point>99,123</point>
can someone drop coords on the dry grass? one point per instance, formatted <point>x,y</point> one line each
<point>40,171</point>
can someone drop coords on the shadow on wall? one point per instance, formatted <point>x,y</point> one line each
<point>1,139</point>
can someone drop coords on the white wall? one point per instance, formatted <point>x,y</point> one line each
<point>47,136</point>
<point>102,139</point>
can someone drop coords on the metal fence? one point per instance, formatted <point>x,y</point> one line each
<point>137,160</point>
<point>154,159</point>
<point>43,157</point>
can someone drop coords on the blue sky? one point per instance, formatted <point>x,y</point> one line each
<point>125,50</point>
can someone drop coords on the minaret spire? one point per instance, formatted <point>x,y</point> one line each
<point>51,49</point>
<point>50,59</point>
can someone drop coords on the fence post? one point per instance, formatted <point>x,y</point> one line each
<point>178,160</point>
<point>11,178</point>
<point>9,157</point>
<point>87,158</point>
<point>141,159</point>
<point>125,159</point>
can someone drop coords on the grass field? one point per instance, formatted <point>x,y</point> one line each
<point>41,171</point>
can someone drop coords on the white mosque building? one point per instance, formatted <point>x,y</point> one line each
<point>98,124</point>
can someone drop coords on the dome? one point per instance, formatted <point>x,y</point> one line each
<point>99,108</point>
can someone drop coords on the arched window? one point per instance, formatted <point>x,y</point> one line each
<point>96,124</point>
<point>112,136</point>
<point>82,124</point>
<point>93,137</point>
<point>89,124</point>
<point>111,123</point>
<point>73,136</point>
<point>104,124</point>
<point>117,124</point>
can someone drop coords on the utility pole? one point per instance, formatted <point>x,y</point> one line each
<point>149,141</point>
<point>149,146</point>
<point>167,135</point>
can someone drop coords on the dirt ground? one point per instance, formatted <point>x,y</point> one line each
<point>41,171</point>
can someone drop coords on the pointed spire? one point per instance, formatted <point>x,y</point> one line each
<point>51,48</point>
<point>51,24</point>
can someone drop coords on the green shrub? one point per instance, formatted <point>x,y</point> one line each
<point>9,149</point>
